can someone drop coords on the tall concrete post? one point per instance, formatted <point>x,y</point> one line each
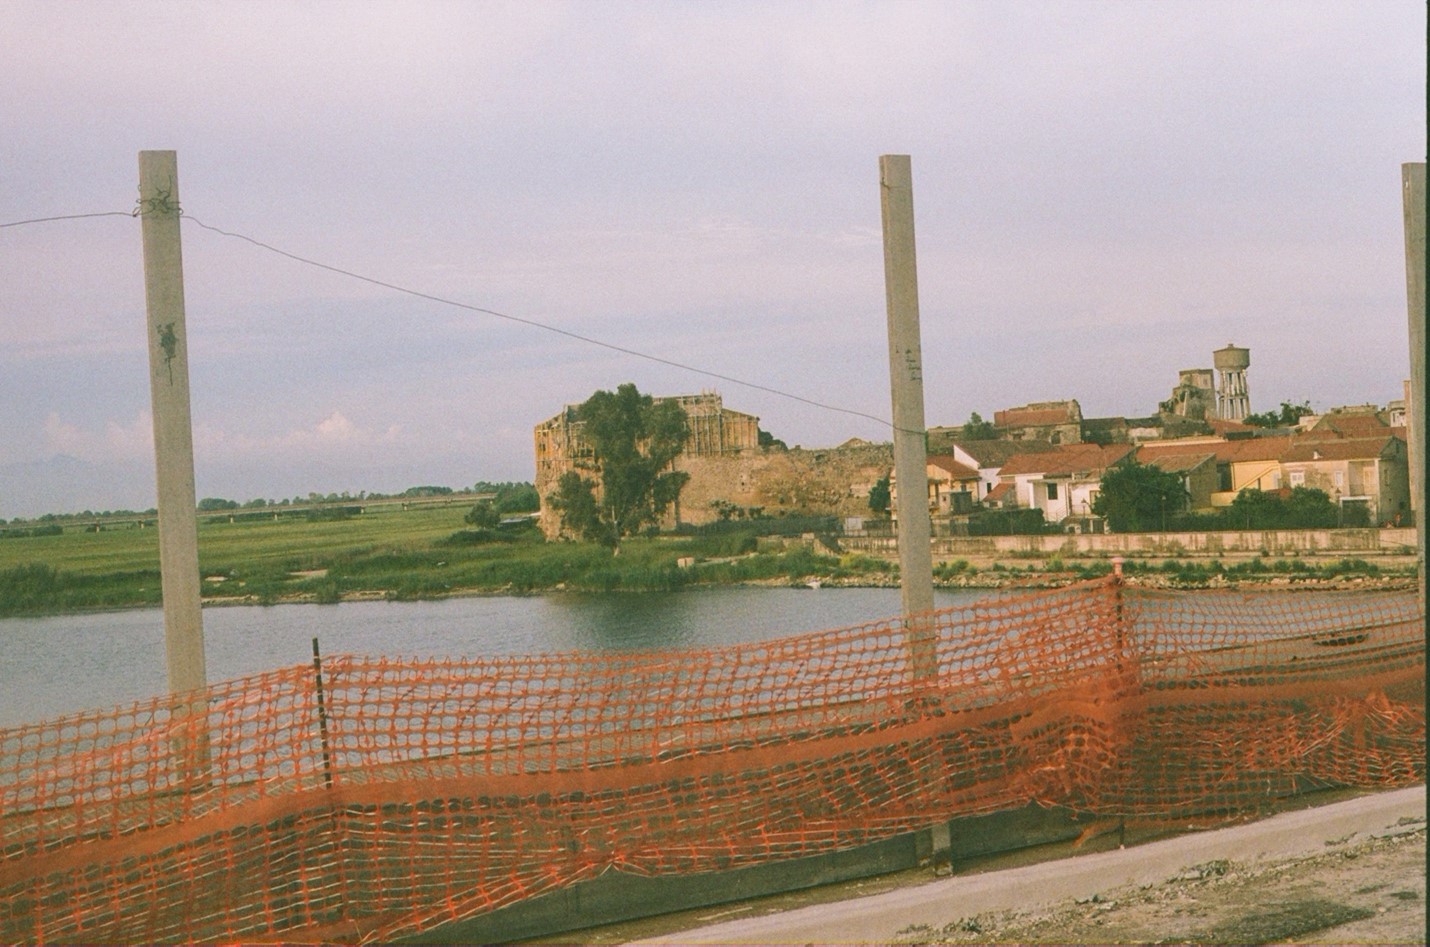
<point>1412,179</point>
<point>901,289</point>
<point>173,429</point>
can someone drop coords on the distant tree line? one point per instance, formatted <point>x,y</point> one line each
<point>1288,416</point>
<point>512,497</point>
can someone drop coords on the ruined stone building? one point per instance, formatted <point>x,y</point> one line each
<point>1194,397</point>
<point>729,470</point>
<point>1057,422</point>
<point>715,431</point>
<point>1206,394</point>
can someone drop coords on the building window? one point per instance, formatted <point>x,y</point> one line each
<point>1298,478</point>
<point>1052,491</point>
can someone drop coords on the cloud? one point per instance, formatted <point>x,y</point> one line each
<point>330,438</point>
<point>114,441</point>
<point>1104,194</point>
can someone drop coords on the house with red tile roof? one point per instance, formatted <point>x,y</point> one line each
<point>1368,472</point>
<point>988,457</point>
<point>953,487</point>
<point>1198,472</point>
<point>1245,463</point>
<point>1059,422</point>
<point>1356,424</point>
<point>1062,482</point>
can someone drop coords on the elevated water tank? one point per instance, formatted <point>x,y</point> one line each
<point>1233,400</point>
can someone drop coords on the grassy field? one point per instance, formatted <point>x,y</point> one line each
<point>394,553</point>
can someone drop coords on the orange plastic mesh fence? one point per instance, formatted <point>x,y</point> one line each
<point>401,795</point>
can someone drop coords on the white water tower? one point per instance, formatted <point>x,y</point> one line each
<point>1233,402</point>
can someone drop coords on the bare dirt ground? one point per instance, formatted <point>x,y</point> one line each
<point>1370,891</point>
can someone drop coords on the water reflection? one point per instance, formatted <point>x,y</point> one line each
<point>60,665</point>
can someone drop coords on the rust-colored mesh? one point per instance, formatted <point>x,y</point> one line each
<point>405,794</point>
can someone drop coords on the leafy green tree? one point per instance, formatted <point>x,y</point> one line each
<point>634,439</point>
<point>769,442</point>
<point>1302,508</point>
<point>209,504</point>
<point>978,429</point>
<point>1137,498</point>
<point>1286,417</point>
<point>483,515</point>
<point>1256,509</point>
<point>1309,508</point>
<point>879,497</point>
<point>517,498</point>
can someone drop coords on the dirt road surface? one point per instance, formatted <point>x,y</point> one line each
<point>1348,872</point>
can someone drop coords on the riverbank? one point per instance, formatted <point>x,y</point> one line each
<point>423,555</point>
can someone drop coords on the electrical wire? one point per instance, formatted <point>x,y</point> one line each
<point>45,220</point>
<point>442,300</point>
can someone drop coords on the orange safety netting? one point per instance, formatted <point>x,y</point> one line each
<point>386,797</point>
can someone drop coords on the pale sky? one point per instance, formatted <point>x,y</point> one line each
<point>1105,192</point>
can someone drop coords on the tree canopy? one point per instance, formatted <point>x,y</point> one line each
<point>634,439</point>
<point>1136,497</point>
<point>880,496</point>
<point>1300,508</point>
<point>978,429</point>
<point>1286,417</point>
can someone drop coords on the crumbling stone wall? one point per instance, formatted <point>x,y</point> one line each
<point>829,482</point>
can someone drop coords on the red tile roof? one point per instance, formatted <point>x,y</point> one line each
<point>1227,452</point>
<point>1348,425</point>
<point>996,453</point>
<point>1033,417</point>
<point>999,492</point>
<point>1222,427</point>
<point>1068,459</point>
<point>959,471</point>
<point>1177,463</point>
<point>1359,448</point>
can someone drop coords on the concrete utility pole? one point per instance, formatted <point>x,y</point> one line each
<point>173,428</point>
<point>906,382</point>
<point>1412,179</point>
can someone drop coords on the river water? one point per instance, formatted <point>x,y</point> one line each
<point>59,665</point>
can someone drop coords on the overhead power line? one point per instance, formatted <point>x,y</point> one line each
<point>45,220</point>
<point>445,301</point>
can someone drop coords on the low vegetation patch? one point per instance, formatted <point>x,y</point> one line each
<point>437,551</point>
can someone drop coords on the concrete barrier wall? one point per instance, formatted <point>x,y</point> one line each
<point>1349,542</point>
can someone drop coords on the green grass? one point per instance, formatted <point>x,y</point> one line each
<point>400,554</point>
<point>430,553</point>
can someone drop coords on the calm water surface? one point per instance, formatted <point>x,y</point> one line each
<point>59,665</point>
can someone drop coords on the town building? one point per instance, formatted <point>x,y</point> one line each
<point>988,458</point>
<point>1063,482</point>
<point>1057,422</point>
<point>1198,472</point>
<point>1244,463</point>
<point>1368,472</point>
<point>953,487</point>
<point>1194,397</point>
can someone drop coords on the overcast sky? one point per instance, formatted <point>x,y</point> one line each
<point>1105,192</point>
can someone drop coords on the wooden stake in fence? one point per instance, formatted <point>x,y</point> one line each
<point>322,716</point>
<point>906,382</point>
<point>1412,178</point>
<point>173,428</point>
